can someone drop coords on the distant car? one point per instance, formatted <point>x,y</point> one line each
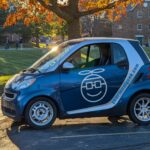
<point>82,78</point>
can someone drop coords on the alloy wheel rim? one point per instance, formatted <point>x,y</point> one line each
<point>41,113</point>
<point>142,109</point>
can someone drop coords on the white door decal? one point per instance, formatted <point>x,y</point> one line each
<point>93,87</point>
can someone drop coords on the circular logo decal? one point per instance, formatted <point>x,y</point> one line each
<point>93,87</point>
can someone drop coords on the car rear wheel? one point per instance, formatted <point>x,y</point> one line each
<point>139,109</point>
<point>40,113</point>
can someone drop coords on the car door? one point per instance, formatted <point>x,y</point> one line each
<point>94,80</point>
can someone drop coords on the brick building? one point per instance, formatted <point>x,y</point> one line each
<point>96,26</point>
<point>135,25</point>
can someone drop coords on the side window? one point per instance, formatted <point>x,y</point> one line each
<point>105,58</point>
<point>91,56</point>
<point>94,52</point>
<point>79,59</point>
<point>94,56</point>
<point>119,55</point>
<point>99,55</point>
<point>84,55</point>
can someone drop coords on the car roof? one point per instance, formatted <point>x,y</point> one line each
<point>100,38</point>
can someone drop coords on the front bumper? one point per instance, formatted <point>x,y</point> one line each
<point>8,109</point>
<point>8,105</point>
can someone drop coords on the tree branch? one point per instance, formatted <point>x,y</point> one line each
<point>74,4</point>
<point>94,10</point>
<point>53,6</point>
<point>89,12</point>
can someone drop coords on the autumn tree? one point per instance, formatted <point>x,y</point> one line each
<point>58,29</point>
<point>19,28</point>
<point>69,10</point>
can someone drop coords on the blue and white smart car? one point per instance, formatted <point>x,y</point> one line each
<point>82,78</point>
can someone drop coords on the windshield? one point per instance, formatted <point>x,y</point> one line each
<point>48,61</point>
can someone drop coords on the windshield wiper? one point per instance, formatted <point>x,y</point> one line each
<point>32,70</point>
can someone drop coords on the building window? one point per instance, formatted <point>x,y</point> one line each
<point>149,13</point>
<point>139,14</point>
<point>119,26</point>
<point>139,26</point>
<point>145,4</point>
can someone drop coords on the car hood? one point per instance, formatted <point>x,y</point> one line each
<point>19,78</point>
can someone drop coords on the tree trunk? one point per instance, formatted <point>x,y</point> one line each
<point>36,30</point>
<point>37,42</point>
<point>74,29</point>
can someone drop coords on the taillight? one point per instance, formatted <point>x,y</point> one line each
<point>148,76</point>
<point>144,75</point>
<point>148,73</point>
<point>148,68</point>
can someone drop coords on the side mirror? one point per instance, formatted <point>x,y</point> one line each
<point>68,66</point>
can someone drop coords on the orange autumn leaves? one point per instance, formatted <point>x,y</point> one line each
<point>3,4</point>
<point>113,14</point>
<point>30,11</point>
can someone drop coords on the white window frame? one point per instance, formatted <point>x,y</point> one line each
<point>139,14</point>
<point>139,28</point>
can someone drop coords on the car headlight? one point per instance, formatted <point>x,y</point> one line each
<point>11,80</point>
<point>23,84</point>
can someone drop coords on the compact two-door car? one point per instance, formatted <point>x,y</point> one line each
<point>84,77</point>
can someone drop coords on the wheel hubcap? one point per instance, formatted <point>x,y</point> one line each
<point>41,113</point>
<point>142,109</point>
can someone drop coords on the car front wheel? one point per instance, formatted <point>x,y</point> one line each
<point>139,109</point>
<point>40,113</point>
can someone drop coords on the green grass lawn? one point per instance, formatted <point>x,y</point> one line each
<point>147,51</point>
<point>13,61</point>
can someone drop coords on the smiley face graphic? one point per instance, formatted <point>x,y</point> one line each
<point>93,87</point>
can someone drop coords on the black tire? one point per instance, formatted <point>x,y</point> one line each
<point>131,112</point>
<point>30,105</point>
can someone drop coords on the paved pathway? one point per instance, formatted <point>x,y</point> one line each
<point>72,134</point>
<point>99,133</point>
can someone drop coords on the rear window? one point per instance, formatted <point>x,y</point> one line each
<point>140,51</point>
<point>119,54</point>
